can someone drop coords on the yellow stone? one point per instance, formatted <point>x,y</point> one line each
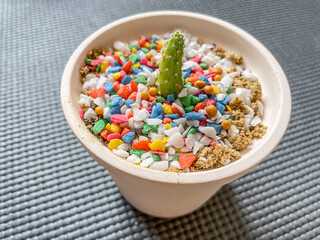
<point>115,128</point>
<point>168,126</point>
<point>157,146</point>
<point>108,127</point>
<point>167,109</point>
<point>136,65</point>
<point>117,53</point>
<point>115,143</point>
<point>179,150</point>
<point>116,75</point>
<point>187,80</point>
<point>164,140</point>
<point>134,50</point>
<point>216,90</point>
<point>104,67</point>
<point>229,108</point>
<point>160,42</point>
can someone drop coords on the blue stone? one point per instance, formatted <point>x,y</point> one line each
<point>128,102</point>
<point>194,116</point>
<point>154,113</point>
<point>170,98</point>
<point>115,110</point>
<point>185,75</point>
<point>128,138</point>
<point>203,96</point>
<point>173,124</point>
<point>136,71</point>
<point>116,101</point>
<point>116,64</point>
<point>172,116</point>
<point>159,108</point>
<point>216,127</point>
<point>114,69</point>
<point>226,100</point>
<point>109,87</point>
<point>127,79</point>
<point>220,107</point>
<point>146,67</point>
<point>203,78</point>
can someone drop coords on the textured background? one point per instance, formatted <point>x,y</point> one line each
<point>51,188</point>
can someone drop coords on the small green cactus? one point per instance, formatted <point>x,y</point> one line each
<point>170,73</point>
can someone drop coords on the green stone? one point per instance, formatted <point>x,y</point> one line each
<point>156,157</point>
<point>229,91</point>
<point>133,46</point>
<point>113,92</point>
<point>161,99</point>
<point>191,131</point>
<point>154,102</point>
<point>186,101</point>
<point>144,134</point>
<point>204,65</point>
<point>88,61</point>
<point>134,58</point>
<point>144,50</point>
<point>108,105</point>
<point>175,158</point>
<point>137,152</point>
<point>187,84</point>
<point>146,127</point>
<point>99,126</point>
<point>195,100</point>
<point>153,45</point>
<point>98,69</point>
<point>189,109</point>
<point>186,56</point>
<point>121,54</point>
<point>140,80</point>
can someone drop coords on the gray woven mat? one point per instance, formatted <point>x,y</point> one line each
<point>52,189</point>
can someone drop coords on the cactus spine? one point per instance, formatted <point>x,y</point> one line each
<point>170,73</point>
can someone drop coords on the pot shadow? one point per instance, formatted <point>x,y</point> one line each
<point>219,218</point>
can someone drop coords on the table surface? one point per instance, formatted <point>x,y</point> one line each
<point>52,189</point>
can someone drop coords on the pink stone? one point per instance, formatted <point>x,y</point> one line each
<point>96,62</point>
<point>211,102</point>
<point>143,61</point>
<point>211,76</point>
<point>158,152</point>
<point>113,136</point>
<point>195,59</point>
<point>199,69</point>
<point>119,118</point>
<point>122,75</point>
<point>81,113</point>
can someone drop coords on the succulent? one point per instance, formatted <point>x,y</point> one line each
<point>170,73</point>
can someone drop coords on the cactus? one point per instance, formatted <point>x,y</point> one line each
<point>170,73</point>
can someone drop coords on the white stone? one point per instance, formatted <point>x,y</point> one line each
<point>171,131</point>
<point>133,159</point>
<point>180,121</point>
<point>197,146</point>
<point>121,46</point>
<point>147,162</point>
<point>141,115</point>
<point>249,76</point>
<point>160,165</point>
<point>89,114</point>
<point>233,130</point>
<point>191,140</point>
<point>153,121</point>
<point>121,153</point>
<point>175,164</point>
<point>176,140</point>
<point>226,81</point>
<point>255,121</point>
<point>205,140</point>
<point>209,131</point>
